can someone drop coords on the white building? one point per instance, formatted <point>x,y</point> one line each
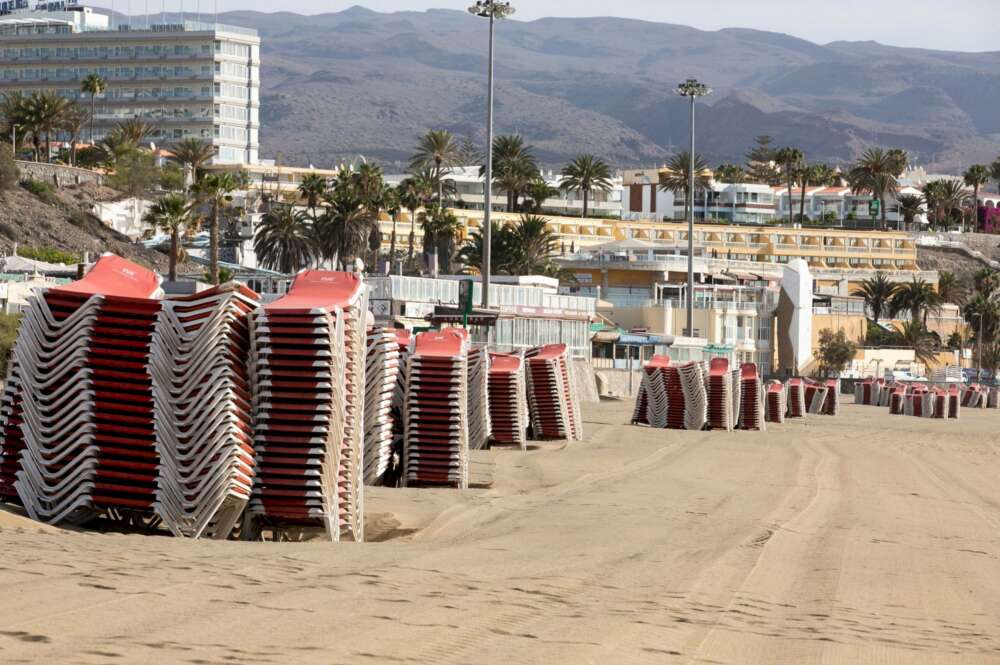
<point>742,203</point>
<point>188,80</point>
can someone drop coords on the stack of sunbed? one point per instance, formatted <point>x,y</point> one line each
<point>507,400</point>
<point>752,407</point>
<point>80,375</point>
<point>797,406</point>
<point>308,364</point>
<point>203,410</point>
<point>382,369</point>
<point>720,395</point>
<point>775,404</point>
<point>552,400</point>
<point>436,443</point>
<point>479,408</point>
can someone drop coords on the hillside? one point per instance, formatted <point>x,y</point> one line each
<point>358,82</point>
<point>61,220</point>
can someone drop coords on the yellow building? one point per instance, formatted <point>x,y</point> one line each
<point>843,249</point>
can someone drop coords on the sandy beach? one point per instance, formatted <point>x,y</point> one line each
<point>866,538</point>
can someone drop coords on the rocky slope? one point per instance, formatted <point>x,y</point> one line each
<point>61,220</point>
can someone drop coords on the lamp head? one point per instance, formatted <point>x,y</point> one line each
<point>492,8</point>
<point>693,88</point>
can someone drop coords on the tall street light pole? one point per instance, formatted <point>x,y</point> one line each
<point>493,10</point>
<point>691,89</point>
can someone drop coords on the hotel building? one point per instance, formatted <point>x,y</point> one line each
<point>187,79</point>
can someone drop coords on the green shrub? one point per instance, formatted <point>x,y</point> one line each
<point>42,190</point>
<point>47,254</point>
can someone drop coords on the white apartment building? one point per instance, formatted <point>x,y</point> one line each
<point>741,203</point>
<point>838,204</point>
<point>187,79</point>
<point>468,187</point>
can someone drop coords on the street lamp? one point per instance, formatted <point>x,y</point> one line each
<point>691,89</point>
<point>493,10</point>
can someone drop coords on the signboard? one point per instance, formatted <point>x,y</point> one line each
<point>583,277</point>
<point>873,208</point>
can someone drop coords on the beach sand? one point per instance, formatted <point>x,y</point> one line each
<point>866,538</point>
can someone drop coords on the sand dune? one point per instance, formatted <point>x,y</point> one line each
<point>861,539</point>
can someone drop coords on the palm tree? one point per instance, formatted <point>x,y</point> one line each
<point>913,334</point>
<point>438,151</point>
<point>342,231</point>
<point>918,297</point>
<point>730,173</point>
<point>676,176</point>
<point>216,191</point>
<point>42,115</point>
<point>539,191</point>
<point>413,192</point>
<point>910,207</point>
<point>817,175</point>
<point>441,229</point>
<point>995,171</point>
<point>514,167</point>
<point>986,281</point>
<point>585,174</point>
<point>192,154</point>
<point>982,313</point>
<point>790,160</point>
<point>876,173</point>
<point>93,85</point>
<point>975,177</point>
<point>283,240</point>
<point>953,198</point>
<point>392,205</point>
<point>877,292</point>
<point>311,189</point>
<point>170,213</point>
<point>135,131</point>
<point>949,288</point>
<point>13,109</point>
<point>73,119</point>
<point>932,197</point>
<point>471,254</point>
<point>532,245</point>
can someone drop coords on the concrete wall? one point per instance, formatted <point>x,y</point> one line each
<point>615,382</point>
<point>586,381</point>
<point>58,174</point>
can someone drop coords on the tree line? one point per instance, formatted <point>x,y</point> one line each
<point>946,202</point>
<point>979,304</point>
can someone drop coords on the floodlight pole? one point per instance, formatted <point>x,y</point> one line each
<point>691,89</point>
<point>492,10</point>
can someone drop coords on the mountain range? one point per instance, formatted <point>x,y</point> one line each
<point>356,83</point>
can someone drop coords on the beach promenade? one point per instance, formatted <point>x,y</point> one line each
<point>866,538</point>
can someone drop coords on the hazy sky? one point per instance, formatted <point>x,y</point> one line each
<point>967,25</point>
